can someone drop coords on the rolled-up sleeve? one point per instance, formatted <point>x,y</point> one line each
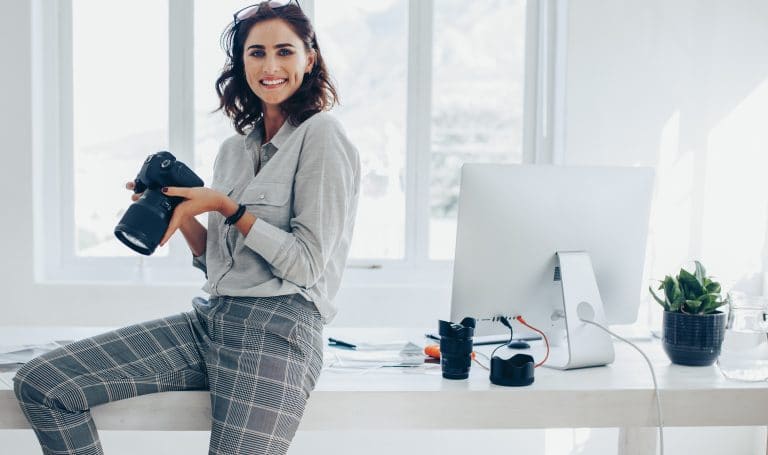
<point>325,187</point>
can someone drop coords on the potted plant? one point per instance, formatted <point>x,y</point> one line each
<point>693,325</point>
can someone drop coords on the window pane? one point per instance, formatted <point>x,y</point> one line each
<point>211,128</point>
<point>477,100</point>
<point>365,47</point>
<point>120,110</point>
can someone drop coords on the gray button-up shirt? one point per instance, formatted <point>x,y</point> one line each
<point>304,198</point>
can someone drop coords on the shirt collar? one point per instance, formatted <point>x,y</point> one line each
<point>277,140</point>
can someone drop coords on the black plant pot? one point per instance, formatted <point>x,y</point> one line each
<point>693,339</point>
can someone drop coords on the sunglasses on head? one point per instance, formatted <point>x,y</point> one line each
<point>246,12</point>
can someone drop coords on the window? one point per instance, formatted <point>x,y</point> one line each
<point>477,101</point>
<point>427,86</point>
<point>372,77</point>
<point>119,111</point>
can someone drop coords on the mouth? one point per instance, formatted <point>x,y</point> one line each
<point>271,84</point>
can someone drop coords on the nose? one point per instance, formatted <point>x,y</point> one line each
<point>270,65</point>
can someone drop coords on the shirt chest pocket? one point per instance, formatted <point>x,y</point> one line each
<point>269,201</point>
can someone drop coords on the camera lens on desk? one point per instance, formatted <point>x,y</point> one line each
<point>456,348</point>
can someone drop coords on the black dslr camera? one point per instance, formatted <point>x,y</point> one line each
<point>146,220</point>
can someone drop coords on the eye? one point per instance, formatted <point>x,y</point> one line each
<point>257,53</point>
<point>284,52</point>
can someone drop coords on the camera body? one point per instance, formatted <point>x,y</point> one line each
<point>146,220</point>
<point>162,169</point>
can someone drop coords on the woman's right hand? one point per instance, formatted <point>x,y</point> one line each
<point>134,196</point>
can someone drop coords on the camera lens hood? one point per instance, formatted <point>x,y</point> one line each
<point>515,371</point>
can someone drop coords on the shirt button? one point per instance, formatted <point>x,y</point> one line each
<point>261,196</point>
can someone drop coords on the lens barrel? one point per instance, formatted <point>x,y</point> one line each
<point>456,348</point>
<point>142,226</point>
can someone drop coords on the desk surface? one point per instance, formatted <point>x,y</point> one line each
<point>617,395</point>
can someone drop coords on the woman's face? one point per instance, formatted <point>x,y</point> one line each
<point>275,61</point>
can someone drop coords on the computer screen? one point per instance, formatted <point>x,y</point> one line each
<point>512,221</point>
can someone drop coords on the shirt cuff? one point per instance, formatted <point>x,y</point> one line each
<point>267,240</point>
<point>199,262</point>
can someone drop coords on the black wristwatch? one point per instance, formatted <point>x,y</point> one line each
<point>235,216</point>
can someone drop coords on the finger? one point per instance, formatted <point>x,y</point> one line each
<point>135,197</point>
<point>175,191</point>
<point>130,185</point>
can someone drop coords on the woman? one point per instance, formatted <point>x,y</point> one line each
<point>280,217</point>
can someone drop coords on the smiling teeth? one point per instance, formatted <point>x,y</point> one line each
<point>275,82</point>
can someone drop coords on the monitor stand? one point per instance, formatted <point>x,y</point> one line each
<point>585,344</point>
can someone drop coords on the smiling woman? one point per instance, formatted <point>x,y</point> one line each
<point>281,210</point>
<point>279,49</point>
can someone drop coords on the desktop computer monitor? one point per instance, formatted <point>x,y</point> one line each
<point>513,221</point>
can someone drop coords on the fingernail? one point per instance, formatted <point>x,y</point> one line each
<point>165,190</point>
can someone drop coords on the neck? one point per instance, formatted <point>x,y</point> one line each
<point>272,120</point>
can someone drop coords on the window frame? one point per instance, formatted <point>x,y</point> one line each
<point>56,260</point>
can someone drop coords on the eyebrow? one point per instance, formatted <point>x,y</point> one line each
<point>277,46</point>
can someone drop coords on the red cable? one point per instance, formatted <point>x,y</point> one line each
<point>522,321</point>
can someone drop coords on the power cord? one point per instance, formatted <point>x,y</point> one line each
<point>505,321</point>
<point>546,341</point>
<point>586,318</point>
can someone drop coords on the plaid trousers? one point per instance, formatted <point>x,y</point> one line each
<point>259,356</point>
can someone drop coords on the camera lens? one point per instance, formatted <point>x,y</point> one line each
<point>137,243</point>
<point>456,348</point>
<point>144,223</point>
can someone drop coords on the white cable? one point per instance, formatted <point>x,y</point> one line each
<point>653,375</point>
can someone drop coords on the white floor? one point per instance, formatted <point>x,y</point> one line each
<point>700,441</point>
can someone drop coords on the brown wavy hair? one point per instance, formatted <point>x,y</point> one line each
<point>237,100</point>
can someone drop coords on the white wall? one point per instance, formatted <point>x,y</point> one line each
<point>681,86</point>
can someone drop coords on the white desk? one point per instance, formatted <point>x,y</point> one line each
<point>618,395</point>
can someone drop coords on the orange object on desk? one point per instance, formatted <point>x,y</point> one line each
<point>433,350</point>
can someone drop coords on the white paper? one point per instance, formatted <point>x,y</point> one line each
<point>20,354</point>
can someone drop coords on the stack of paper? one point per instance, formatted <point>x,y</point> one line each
<point>12,357</point>
<point>374,355</point>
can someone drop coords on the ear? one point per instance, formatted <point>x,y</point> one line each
<point>311,58</point>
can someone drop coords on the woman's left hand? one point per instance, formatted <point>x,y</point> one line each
<point>198,200</point>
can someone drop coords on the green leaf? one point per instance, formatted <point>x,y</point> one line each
<point>713,287</point>
<point>692,306</point>
<point>700,273</point>
<point>690,285</point>
<point>713,306</point>
<point>677,294</point>
<point>669,288</point>
<point>656,297</point>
